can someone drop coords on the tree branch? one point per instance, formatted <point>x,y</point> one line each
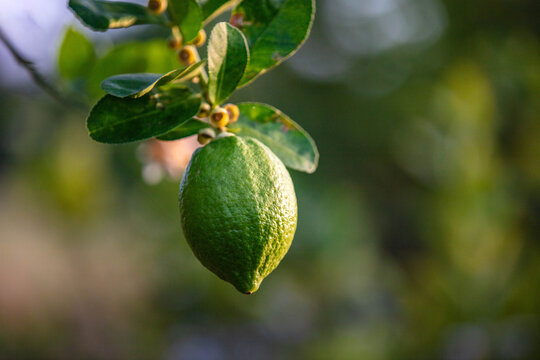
<point>36,76</point>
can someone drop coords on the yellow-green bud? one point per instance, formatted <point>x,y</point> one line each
<point>233,112</point>
<point>187,55</point>
<point>174,42</point>
<point>204,111</point>
<point>219,117</point>
<point>200,39</point>
<point>205,135</point>
<point>157,6</point>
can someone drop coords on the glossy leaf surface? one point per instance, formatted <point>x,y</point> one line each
<point>284,137</point>
<point>118,120</point>
<point>228,57</point>
<point>104,15</point>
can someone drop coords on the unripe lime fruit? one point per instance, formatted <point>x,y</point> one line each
<point>238,210</point>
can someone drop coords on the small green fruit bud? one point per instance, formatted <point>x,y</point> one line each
<point>205,135</point>
<point>233,111</point>
<point>157,6</point>
<point>187,55</point>
<point>219,117</point>
<point>204,111</point>
<point>174,42</point>
<point>200,39</point>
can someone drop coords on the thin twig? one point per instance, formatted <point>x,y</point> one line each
<point>36,76</point>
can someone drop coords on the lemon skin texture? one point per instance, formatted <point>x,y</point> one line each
<point>238,210</point>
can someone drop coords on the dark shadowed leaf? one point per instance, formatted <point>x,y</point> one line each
<point>187,14</point>
<point>284,137</point>
<point>76,55</point>
<point>273,29</point>
<point>118,120</point>
<point>137,85</point>
<point>188,128</point>
<point>228,56</point>
<point>104,15</point>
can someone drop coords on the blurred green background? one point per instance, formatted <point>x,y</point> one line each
<point>418,236</point>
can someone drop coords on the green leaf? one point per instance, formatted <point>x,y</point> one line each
<point>228,57</point>
<point>134,85</point>
<point>104,15</point>
<point>116,120</point>
<point>187,14</point>
<point>137,85</point>
<point>284,137</point>
<point>76,55</point>
<point>213,8</point>
<point>273,29</point>
<point>188,128</point>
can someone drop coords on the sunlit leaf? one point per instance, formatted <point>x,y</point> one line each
<point>76,55</point>
<point>137,85</point>
<point>118,120</point>
<point>228,56</point>
<point>104,15</point>
<point>187,14</point>
<point>273,29</point>
<point>284,137</point>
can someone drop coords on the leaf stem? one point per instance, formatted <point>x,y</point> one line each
<point>203,77</point>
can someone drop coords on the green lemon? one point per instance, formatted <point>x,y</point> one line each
<point>238,210</point>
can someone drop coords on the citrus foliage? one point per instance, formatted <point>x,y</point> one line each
<point>259,37</point>
<point>237,200</point>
